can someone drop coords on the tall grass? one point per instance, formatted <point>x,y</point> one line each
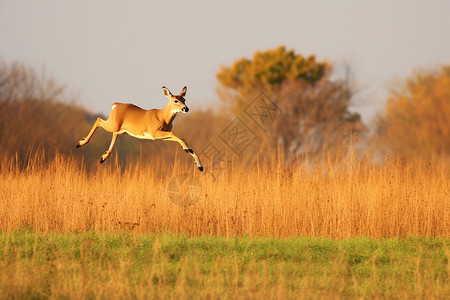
<point>397,198</point>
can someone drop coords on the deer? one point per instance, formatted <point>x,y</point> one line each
<point>153,124</point>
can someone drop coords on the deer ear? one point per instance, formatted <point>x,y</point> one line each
<point>167,93</point>
<point>183,92</point>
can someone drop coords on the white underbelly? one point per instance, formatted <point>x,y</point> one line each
<point>146,135</point>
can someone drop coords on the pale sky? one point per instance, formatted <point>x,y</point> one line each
<point>125,51</point>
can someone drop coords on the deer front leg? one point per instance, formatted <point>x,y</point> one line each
<point>170,136</point>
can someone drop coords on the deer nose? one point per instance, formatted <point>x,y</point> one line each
<point>185,109</point>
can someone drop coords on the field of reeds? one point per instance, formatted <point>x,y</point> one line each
<point>347,228</point>
<point>336,199</point>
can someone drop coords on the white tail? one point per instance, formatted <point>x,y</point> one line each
<point>153,124</point>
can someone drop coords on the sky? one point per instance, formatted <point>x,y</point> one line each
<point>125,51</point>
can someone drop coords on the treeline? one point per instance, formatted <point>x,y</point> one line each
<point>276,103</point>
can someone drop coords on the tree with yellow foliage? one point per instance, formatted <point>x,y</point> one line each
<point>315,107</point>
<point>417,117</point>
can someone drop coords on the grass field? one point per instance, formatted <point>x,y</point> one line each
<point>328,229</point>
<point>166,266</point>
<point>397,198</point>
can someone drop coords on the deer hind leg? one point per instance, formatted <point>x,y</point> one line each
<point>100,122</point>
<point>111,146</point>
<point>170,136</point>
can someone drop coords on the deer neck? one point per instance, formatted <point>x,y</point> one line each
<point>167,115</point>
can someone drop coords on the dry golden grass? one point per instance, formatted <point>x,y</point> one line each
<point>397,198</point>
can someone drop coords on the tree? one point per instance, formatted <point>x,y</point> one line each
<point>36,115</point>
<point>315,108</point>
<point>417,116</point>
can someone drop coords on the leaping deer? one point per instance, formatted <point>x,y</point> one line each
<point>153,124</point>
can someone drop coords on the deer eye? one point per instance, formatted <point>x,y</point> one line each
<point>176,101</point>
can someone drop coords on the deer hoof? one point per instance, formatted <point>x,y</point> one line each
<point>102,159</point>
